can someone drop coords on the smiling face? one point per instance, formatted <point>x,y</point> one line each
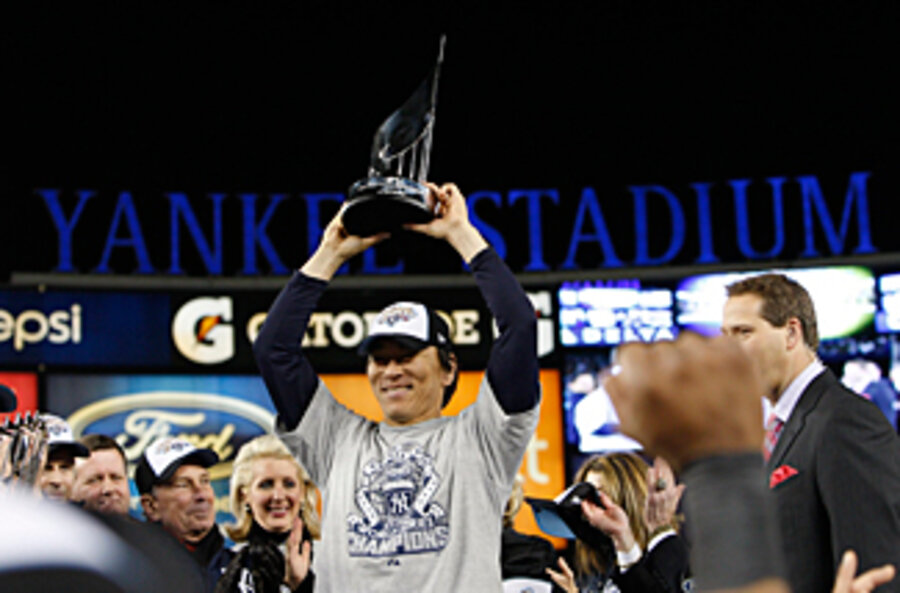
<point>101,482</point>
<point>769,347</point>
<point>184,504</point>
<point>408,384</point>
<point>275,493</point>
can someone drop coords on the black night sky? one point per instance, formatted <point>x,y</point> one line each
<point>233,97</point>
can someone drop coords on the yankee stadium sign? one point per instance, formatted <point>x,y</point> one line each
<point>534,230</point>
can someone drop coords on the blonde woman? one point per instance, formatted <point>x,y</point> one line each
<point>643,552</point>
<point>274,502</point>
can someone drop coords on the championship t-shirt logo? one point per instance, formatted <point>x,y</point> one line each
<point>397,513</point>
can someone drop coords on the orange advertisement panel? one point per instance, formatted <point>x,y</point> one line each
<point>543,468</point>
<point>24,386</point>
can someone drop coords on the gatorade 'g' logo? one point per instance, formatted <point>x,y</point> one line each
<point>202,330</point>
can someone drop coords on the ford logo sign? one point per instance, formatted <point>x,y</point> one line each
<point>207,420</point>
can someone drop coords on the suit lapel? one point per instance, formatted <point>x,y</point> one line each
<point>806,404</point>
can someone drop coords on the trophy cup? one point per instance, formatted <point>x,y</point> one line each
<point>394,193</point>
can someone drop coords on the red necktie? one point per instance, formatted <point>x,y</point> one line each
<point>773,430</point>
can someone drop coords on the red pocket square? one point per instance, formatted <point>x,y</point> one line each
<point>781,474</point>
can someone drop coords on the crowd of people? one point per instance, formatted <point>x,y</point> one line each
<point>807,500</point>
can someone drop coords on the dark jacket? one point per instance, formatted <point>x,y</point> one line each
<point>258,565</point>
<point>663,569</point>
<point>212,556</point>
<point>526,556</point>
<point>835,478</point>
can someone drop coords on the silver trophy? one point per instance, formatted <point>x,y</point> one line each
<point>394,193</point>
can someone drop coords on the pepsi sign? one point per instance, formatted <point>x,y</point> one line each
<point>82,328</point>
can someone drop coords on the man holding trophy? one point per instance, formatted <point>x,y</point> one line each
<point>415,502</point>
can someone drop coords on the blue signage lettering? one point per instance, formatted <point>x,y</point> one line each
<point>641,233</point>
<point>590,241</point>
<point>591,206</point>
<point>704,224</point>
<point>179,207</point>
<point>314,223</point>
<point>535,241</point>
<point>739,187</point>
<point>812,199</point>
<point>64,227</point>
<point>255,234</point>
<point>491,234</point>
<point>125,207</point>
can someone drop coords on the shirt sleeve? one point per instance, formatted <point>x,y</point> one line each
<point>512,369</point>
<point>288,374</point>
<point>501,437</point>
<point>308,415</point>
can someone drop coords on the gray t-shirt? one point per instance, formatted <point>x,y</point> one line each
<point>414,508</point>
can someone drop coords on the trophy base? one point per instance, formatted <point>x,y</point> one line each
<point>384,204</point>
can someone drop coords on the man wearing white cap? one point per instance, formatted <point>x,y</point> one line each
<point>172,477</point>
<point>413,503</point>
<point>58,474</point>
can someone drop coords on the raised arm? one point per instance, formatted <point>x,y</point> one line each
<point>288,375</point>
<point>513,367</point>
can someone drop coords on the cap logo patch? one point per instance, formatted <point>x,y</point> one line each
<point>395,315</point>
<point>168,446</point>
<point>56,430</point>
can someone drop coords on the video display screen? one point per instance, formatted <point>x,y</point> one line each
<point>609,313</point>
<point>844,298</point>
<point>887,319</point>
<point>857,309</point>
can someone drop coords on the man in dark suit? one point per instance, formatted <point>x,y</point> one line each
<point>833,461</point>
